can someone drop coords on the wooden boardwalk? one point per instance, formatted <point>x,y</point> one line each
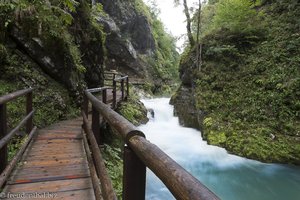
<point>55,163</point>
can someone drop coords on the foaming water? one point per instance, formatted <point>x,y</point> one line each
<point>230,177</point>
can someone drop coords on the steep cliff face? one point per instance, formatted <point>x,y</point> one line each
<point>131,45</point>
<point>63,47</point>
<point>54,48</point>
<point>129,36</point>
<point>247,92</point>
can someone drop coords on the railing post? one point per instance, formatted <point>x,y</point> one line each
<point>134,176</point>
<point>3,132</point>
<point>122,89</point>
<point>29,124</point>
<point>127,87</point>
<point>96,124</point>
<point>104,95</point>
<point>114,104</point>
<point>85,105</point>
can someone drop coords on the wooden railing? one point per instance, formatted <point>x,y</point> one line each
<point>118,81</point>
<point>139,153</point>
<point>5,167</point>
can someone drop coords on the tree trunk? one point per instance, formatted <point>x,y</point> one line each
<point>199,46</point>
<point>188,23</point>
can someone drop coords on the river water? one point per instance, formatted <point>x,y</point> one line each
<point>230,177</point>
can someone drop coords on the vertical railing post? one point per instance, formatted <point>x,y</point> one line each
<point>96,124</point>
<point>122,89</point>
<point>127,87</point>
<point>114,104</point>
<point>29,124</point>
<point>85,105</point>
<point>134,176</point>
<point>3,132</point>
<point>104,95</point>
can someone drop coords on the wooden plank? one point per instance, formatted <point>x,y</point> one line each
<point>46,179</point>
<point>56,162</point>
<point>54,156</point>
<point>49,173</point>
<point>51,186</point>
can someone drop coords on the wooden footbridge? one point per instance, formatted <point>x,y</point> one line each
<point>64,161</point>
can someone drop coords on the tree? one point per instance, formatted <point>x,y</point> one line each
<point>188,21</point>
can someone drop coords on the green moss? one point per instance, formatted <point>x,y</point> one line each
<point>249,86</point>
<point>133,110</point>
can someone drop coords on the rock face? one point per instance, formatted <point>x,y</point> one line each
<point>129,37</point>
<point>56,56</point>
<point>184,108</point>
<point>184,100</point>
<point>50,57</point>
<point>91,45</point>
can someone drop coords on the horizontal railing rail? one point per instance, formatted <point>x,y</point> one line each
<point>106,184</point>
<point>139,153</point>
<point>5,167</point>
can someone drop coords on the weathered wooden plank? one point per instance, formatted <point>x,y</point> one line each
<point>55,162</point>
<point>49,173</point>
<point>51,186</point>
<point>54,156</point>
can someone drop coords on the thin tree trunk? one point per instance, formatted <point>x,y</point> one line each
<point>199,46</point>
<point>188,23</point>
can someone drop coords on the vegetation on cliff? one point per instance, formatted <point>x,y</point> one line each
<point>59,48</point>
<point>248,86</point>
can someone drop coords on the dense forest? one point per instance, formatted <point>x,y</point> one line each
<point>245,88</point>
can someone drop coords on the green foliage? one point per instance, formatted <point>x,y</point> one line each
<point>52,102</point>
<point>249,83</point>
<point>235,15</point>
<point>133,110</point>
<point>114,164</point>
<point>49,21</point>
<point>165,60</point>
<point>166,57</point>
<point>142,9</point>
<point>14,145</point>
<point>3,54</point>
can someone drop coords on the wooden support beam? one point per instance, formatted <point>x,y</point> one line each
<point>29,124</point>
<point>3,132</point>
<point>96,125</point>
<point>134,176</point>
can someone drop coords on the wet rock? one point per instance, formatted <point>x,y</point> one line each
<point>185,109</point>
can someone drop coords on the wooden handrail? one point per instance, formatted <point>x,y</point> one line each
<point>5,168</point>
<point>7,137</point>
<point>106,185</point>
<point>181,183</point>
<point>121,78</point>
<point>9,97</point>
<point>4,176</point>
